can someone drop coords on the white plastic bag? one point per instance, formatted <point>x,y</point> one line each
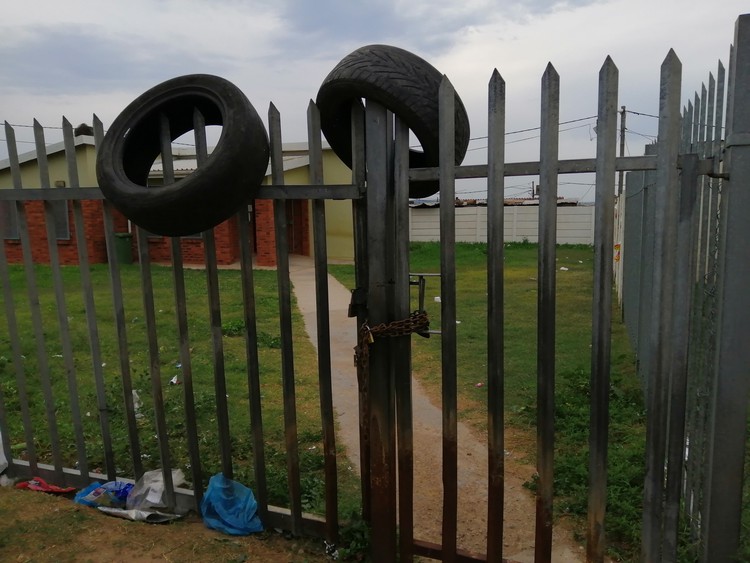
<point>3,461</point>
<point>149,493</point>
<point>139,515</point>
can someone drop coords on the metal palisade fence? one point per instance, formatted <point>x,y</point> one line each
<point>145,416</point>
<point>686,256</point>
<point>681,303</point>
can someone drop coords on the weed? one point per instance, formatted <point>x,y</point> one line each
<point>354,539</point>
<point>233,328</point>
<point>266,340</point>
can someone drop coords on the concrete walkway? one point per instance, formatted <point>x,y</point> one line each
<point>343,339</point>
<point>472,452</point>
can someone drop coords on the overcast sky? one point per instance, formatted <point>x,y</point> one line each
<point>79,57</point>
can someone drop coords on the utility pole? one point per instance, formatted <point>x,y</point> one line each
<point>621,178</point>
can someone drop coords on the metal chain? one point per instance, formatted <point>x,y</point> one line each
<point>416,322</point>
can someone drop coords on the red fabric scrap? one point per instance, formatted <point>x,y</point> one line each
<point>39,484</point>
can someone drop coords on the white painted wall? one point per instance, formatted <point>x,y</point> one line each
<point>575,225</point>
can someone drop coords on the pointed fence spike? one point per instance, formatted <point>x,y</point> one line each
<point>10,133</point>
<point>67,130</point>
<point>98,131</point>
<point>670,66</point>
<point>445,85</point>
<point>313,116</point>
<point>38,133</point>
<point>550,70</point>
<point>609,66</point>
<point>496,91</point>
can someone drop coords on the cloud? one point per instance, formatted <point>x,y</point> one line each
<point>326,24</point>
<point>82,56</point>
<point>79,44</point>
<point>90,62</point>
<point>577,39</point>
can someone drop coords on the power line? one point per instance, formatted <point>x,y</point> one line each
<point>537,128</point>
<point>32,126</point>
<point>528,138</point>
<point>641,113</point>
<point>587,191</point>
<point>650,137</point>
<point>657,117</point>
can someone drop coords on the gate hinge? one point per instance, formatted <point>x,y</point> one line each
<point>358,303</point>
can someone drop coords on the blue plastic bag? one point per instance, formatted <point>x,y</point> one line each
<point>113,493</point>
<point>230,507</point>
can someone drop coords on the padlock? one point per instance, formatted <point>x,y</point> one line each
<point>370,337</point>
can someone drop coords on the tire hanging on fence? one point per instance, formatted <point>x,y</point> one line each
<point>405,84</point>
<point>217,189</point>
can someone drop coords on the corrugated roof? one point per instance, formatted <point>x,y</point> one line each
<point>185,166</point>
<point>294,155</point>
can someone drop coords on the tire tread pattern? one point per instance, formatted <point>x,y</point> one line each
<point>403,82</point>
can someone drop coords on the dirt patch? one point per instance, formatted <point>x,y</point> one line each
<point>519,506</point>
<point>39,527</point>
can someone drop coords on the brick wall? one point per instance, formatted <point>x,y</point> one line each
<point>226,234</point>
<point>298,215</point>
<point>298,231</point>
<point>265,236</point>
<point>93,225</point>
<point>227,246</point>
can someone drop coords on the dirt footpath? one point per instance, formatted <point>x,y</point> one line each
<point>518,531</point>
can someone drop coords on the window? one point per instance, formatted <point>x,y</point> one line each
<point>8,220</point>
<point>61,222</point>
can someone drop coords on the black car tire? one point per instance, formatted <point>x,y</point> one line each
<point>211,194</point>
<point>405,84</point>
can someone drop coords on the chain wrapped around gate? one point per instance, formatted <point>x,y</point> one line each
<point>417,322</point>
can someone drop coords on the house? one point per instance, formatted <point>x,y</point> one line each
<point>61,210</point>
<point>296,165</point>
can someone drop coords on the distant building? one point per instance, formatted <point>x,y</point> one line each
<point>296,172</point>
<point>575,223</point>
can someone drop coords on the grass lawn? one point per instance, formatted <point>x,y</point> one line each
<point>627,427</point>
<point>573,364</point>
<point>308,405</point>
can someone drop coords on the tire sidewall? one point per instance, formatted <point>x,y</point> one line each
<point>229,176</point>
